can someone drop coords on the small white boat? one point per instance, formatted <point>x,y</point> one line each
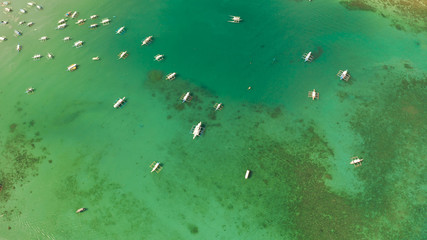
<point>93,26</point>
<point>235,19</point>
<point>61,26</point>
<point>147,40</point>
<point>105,21</point>
<point>343,75</point>
<point>248,173</point>
<point>44,38</point>
<point>37,57</point>
<point>39,7</point>
<point>197,130</point>
<point>308,57</point>
<point>186,97</point>
<point>17,33</point>
<point>95,58</point>
<point>75,14</point>
<point>3,38</point>
<point>313,94</point>
<point>22,11</point>
<point>29,90</point>
<point>80,210</point>
<point>171,76</point>
<point>5,3</point>
<point>218,106</point>
<point>31,4</point>
<point>121,30</point>
<point>30,24</point>
<point>78,44</point>
<point>62,21</point>
<point>18,47</point>
<point>8,10</point>
<point>123,55</point>
<point>50,56</point>
<point>156,167</point>
<point>81,21</point>
<point>159,57</point>
<point>93,16</point>
<point>5,22</point>
<point>356,161</point>
<point>119,102</point>
<point>67,38</point>
<point>72,67</point>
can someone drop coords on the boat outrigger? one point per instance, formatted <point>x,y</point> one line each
<point>93,16</point>
<point>235,19</point>
<point>72,67</point>
<point>147,40</point>
<point>81,21</point>
<point>78,44</point>
<point>67,38</point>
<point>44,38</point>
<point>308,57</point>
<point>61,26</point>
<point>93,26</point>
<point>37,57</point>
<point>186,97</point>
<point>105,21</point>
<point>313,94</point>
<point>119,102</point>
<point>80,210</point>
<point>62,21</point>
<point>356,161</point>
<point>123,55</point>
<point>156,167</point>
<point>343,75</point>
<point>218,106</point>
<point>159,57</point>
<point>197,130</point>
<point>121,30</point>
<point>30,90</point>
<point>171,76</point>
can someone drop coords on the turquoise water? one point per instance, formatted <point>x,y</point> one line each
<point>65,147</point>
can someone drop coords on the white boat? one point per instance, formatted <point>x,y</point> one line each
<point>31,4</point>
<point>61,26</point>
<point>147,40</point>
<point>29,90</point>
<point>123,55</point>
<point>17,33</point>
<point>81,21</point>
<point>248,172</point>
<point>78,44</point>
<point>197,130</point>
<point>39,7</point>
<point>343,75</point>
<point>93,16</point>
<point>308,57</point>
<point>67,38</point>
<point>81,210</point>
<point>159,57</point>
<point>121,30</point>
<point>75,14</point>
<point>155,167</point>
<point>30,24</point>
<point>72,67</point>
<point>171,76</point>
<point>356,161</point>
<point>93,26</point>
<point>50,56</point>
<point>313,94</point>
<point>4,22</point>
<point>186,97</point>
<point>44,38</point>
<point>18,47</point>
<point>95,58</point>
<point>235,19</point>
<point>62,21</point>
<point>3,38</point>
<point>22,11</point>
<point>37,57</point>
<point>105,21</point>
<point>119,102</point>
<point>218,106</point>
<point>8,9</point>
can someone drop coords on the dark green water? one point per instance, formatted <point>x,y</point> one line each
<point>65,147</point>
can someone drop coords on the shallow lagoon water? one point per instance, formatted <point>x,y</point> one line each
<point>65,147</point>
